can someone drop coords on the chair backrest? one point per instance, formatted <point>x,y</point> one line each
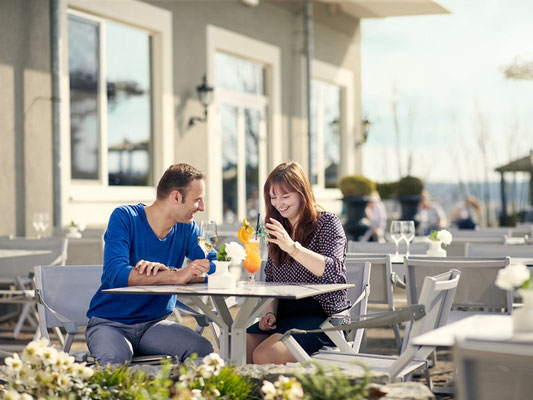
<point>67,290</point>
<point>386,248</point>
<point>481,232</point>
<point>436,295</point>
<point>358,273</point>
<point>380,277</point>
<point>499,250</point>
<point>476,291</point>
<point>491,370</point>
<point>57,247</point>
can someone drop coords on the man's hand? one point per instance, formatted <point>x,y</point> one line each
<point>194,270</point>
<point>149,268</point>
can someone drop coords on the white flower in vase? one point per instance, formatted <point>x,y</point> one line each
<point>235,252</point>
<point>441,236</point>
<point>514,276</point>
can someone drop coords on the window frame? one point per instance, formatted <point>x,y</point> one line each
<point>344,79</point>
<point>232,43</point>
<point>158,23</point>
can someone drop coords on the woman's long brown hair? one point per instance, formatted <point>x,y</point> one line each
<point>290,177</point>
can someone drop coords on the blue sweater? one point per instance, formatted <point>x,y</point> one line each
<point>128,239</point>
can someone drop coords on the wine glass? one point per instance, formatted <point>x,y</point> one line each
<point>408,233</point>
<point>396,234</point>
<point>36,222</point>
<point>252,262</point>
<point>207,237</point>
<point>44,220</point>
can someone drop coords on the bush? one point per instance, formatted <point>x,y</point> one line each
<point>333,385</point>
<point>409,185</point>
<point>356,185</point>
<point>386,190</point>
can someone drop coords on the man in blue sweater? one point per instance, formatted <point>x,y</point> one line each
<point>146,245</point>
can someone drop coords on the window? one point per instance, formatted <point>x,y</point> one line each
<point>110,88</point>
<point>242,100</point>
<point>325,133</point>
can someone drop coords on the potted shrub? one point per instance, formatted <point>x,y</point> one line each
<point>409,193</point>
<point>356,190</point>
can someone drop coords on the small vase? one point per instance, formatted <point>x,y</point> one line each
<point>435,250</point>
<point>221,278</point>
<point>523,316</point>
<point>236,270</point>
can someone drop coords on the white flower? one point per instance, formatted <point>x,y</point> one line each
<point>14,363</point>
<point>235,252</point>
<point>206,371</point>
<point>269,390</point>
<point>512,276</point>
<point>11,395</point>
<point>196,394</point>
<point>87,373</point>
<point>25,396</point>
<point>444,236</point>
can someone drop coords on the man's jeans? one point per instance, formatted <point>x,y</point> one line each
<point>115,343</point>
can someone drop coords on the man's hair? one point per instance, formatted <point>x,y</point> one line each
<point>177,177</point>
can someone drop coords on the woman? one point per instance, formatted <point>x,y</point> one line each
<point>306,245</point>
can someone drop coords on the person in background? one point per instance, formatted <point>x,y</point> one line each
<point>146,245</point>
<point>430,215</point>
<point>306,245</point>
<point>467,213</point>
<point>377,217</point>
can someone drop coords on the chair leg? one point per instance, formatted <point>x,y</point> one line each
<point>397,336</point>
<point>20,322</point>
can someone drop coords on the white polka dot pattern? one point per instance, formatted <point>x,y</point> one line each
<point>329,240</point>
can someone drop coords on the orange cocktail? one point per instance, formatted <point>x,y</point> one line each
<point>252,262</point>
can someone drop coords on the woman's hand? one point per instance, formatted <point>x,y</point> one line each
<point>279,236</point>
<point>149,268</point>
<point>268,322</point>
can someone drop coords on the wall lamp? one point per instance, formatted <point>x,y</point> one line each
<point>205,95</point>
<point>365,131</point>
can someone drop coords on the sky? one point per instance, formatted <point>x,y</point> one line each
<point>444,76</point>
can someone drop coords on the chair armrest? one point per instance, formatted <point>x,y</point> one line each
<point>411,313</point>
<point>397,281</point>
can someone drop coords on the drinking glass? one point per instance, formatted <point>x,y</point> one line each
<point>396,233</point>
<point>408,233</point>
<point>36,222</point>
<point>207,237</point>
<point>252,262</point>
<point>44,220</point>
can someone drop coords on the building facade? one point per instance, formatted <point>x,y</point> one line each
<point>128,73</point>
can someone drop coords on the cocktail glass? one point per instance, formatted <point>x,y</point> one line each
<point>252,262</point>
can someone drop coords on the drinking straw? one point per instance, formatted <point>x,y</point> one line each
<point>257,226</point>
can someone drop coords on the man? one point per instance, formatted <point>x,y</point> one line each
<point>146,245</point>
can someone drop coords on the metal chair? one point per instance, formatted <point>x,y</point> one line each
<point>63,294</point>
<point>381,279</point>
<point>385,248</point>
<point>436,298</point>
<point>499,250</point>
<point>476,293</point>
<point>16,272</point>
<point>493,370</point>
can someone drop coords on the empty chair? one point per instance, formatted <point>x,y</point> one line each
<point>436,296</point>
<point>358,273</point>
<point>16,270</point>
<point>381,279</point>
<point>476,292</point>
<point>493,250</point>
<point>386,248</point>
<point>493,370</point>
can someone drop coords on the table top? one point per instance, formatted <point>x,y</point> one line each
<point>260,289</point>
<point>481,326</point>
<point>6,253</point>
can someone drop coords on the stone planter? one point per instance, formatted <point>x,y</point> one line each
<point>354,209</point>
